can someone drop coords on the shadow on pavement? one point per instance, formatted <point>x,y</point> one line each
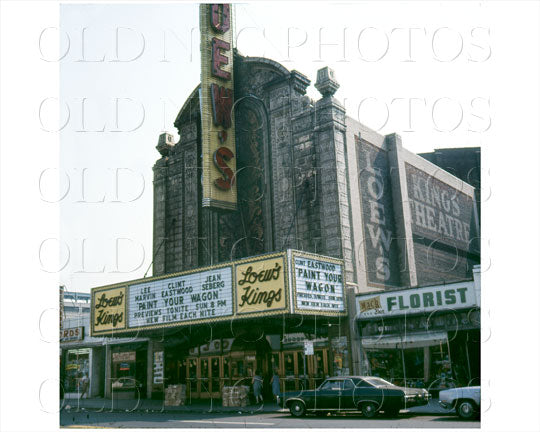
<point>456,419</point>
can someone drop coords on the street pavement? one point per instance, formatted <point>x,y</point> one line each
<point>262,420</point>
<point>147,413</point>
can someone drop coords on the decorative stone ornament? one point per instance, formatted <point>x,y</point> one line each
<point>326,83</point>
<point>165,143</point>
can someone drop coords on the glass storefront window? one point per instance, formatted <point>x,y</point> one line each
<point>300,360</point>
<point>341,356</point>
<point>250,368</point>
<point>77,364</point>
<point>193,368</point>
<point>124,369</point>
<point>215,367</point>
<point>440,368</point>
<point>204,368</point>
<point>275,362</point>
<point>414,367</point>
<point>290,382</point>
<point>226,367</point>
<point>386,364</point>
<point>436,373</point>
<point>238,368</point>
<point>289,364</point>
<point>192,372</point>
<point>319,363</point>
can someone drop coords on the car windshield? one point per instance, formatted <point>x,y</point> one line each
<point>377,381</point>
<point>331,385</point>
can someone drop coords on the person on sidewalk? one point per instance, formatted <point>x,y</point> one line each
<point>84,383</point>
<point>257,382</point>
<point>275,385</point>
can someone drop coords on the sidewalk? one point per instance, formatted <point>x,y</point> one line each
<point>201,406</point>
<point>150,405</point>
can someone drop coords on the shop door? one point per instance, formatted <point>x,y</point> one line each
<point>290,371</point>
<point>215,376</point>
<point>192,378</point>
<point>319,370</point>
<point>141,372</point>
<point>210,377</point>
<point>204,379</point>
<point>295,376</point>
<point>181,372</point>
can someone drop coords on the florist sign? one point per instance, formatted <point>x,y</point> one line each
<point>416,300</point>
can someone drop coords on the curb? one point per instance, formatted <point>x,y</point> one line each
<point>67,407</point>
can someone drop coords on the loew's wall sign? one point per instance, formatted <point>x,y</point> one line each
<point>217,98</point>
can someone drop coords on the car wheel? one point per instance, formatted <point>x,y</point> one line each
<point>466,410</point>
<point>369,409</point>
<point>297,409</point>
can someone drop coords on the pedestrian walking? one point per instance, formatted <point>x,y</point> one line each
<point>257,382</point>
<point>84,384</point>
<point>275,385</point>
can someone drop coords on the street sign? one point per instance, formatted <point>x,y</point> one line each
<point>308,348</point>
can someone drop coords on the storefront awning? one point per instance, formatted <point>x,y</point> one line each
<point>413,340</point>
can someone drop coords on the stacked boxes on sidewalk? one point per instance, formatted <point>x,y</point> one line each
<point>235,396</point>
<point>175,395</point>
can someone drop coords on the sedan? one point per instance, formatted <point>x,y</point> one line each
<point>354,393</point>
<point>465,400</point>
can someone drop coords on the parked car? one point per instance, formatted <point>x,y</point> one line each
<point>126,383</point>
<point>369,395</point>
<point>465,400</point>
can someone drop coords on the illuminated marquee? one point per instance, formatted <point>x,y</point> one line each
<point>251,287</point>
<point>217,98</point>
<point>318,284</point>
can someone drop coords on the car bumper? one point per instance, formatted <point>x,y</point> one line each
<point>445,405</point>
<point>417,401</point>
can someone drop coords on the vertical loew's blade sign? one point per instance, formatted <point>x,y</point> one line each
<point>217,97</point>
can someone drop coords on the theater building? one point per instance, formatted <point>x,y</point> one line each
<point>216,325</point>
<point>271,213</point>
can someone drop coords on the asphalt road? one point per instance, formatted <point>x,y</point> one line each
<point>259,421</point>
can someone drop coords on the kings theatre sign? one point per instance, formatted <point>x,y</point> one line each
<point>217,98</point>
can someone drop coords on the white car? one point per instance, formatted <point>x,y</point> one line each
<point>465,400</point>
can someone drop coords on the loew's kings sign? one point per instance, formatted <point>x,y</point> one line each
<point>287,282</point>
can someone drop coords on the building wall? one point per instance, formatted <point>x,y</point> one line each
<point>309,178</point>
<point>406,236</point>
<point>464,163</point>
<point>299,150</point>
